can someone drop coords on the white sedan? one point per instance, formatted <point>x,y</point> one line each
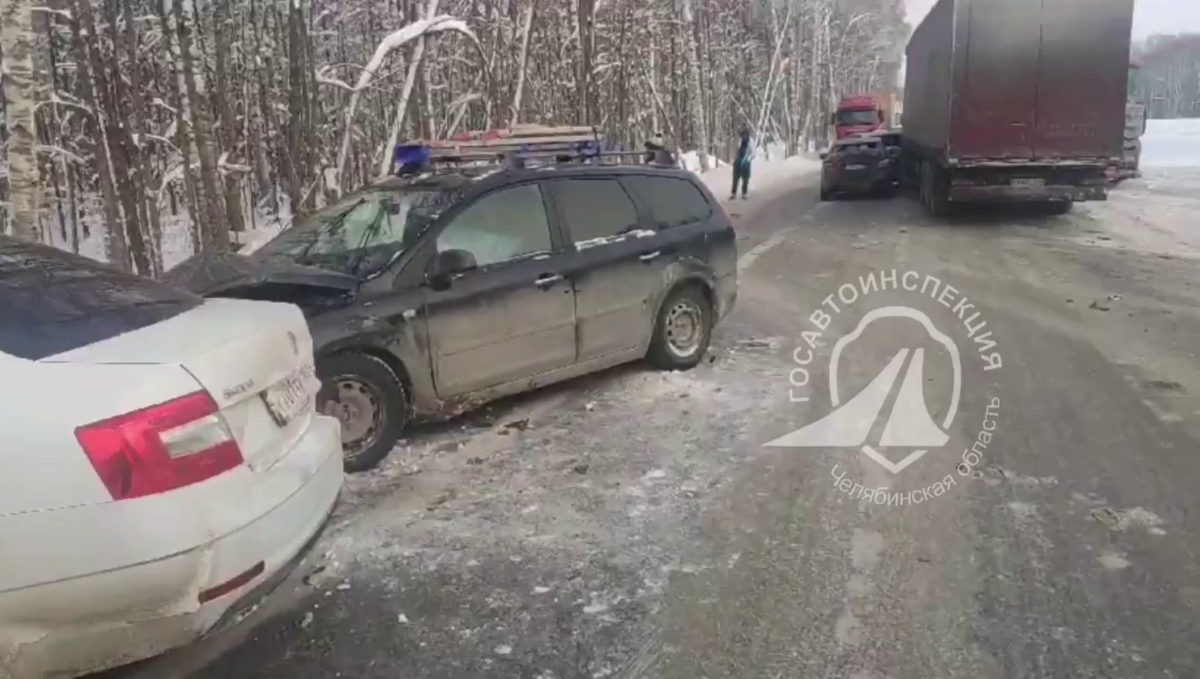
<point>160,460</point>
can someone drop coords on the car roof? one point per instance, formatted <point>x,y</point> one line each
<point>499,176</point>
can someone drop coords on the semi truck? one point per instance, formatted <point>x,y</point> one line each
<point>863,113</point>
<point>1016,100</point>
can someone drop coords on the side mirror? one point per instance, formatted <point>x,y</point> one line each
<point>894,152</point>
<point>443,267</point>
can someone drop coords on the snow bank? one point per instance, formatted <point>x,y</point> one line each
<point>1171,143</point>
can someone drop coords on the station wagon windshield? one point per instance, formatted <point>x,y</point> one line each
<point>362,234</point>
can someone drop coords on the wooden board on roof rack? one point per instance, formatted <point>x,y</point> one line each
<point>528,142</point>
<point>522,135</point>
<point>528,131</point>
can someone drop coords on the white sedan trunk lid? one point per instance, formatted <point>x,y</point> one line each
<point>255,359</point>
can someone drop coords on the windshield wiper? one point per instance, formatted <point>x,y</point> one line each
<point>330,227</point>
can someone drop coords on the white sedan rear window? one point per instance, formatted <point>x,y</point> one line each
<point>52,301</point>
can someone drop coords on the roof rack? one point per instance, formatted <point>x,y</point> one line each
<point>520,146</point>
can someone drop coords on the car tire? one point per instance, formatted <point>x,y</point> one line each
<point>370,401</point>
<point>1061,207</point>
<point>825,194</point>
<point>682,330</point>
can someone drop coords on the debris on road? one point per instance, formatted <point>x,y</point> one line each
<point>1121,520</point>
<point>307,579</point>
<point>441,500</point>
<point>519,425</point>
<point>1098,306</point>
<point>307,620</point>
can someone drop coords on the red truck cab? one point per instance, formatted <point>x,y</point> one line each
<point>859,115</point>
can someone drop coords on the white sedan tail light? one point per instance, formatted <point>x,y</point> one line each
<point>161,448</point>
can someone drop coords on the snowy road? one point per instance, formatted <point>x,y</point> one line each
<point>632,524</point>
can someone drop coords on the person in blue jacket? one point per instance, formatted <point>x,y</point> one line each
<point>741,166</point>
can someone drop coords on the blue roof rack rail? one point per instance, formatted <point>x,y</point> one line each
<point>520,146</point>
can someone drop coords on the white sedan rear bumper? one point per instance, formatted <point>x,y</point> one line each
<point>116,616</point>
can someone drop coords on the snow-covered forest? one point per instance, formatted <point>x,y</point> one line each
<point>138,131</point>
<point>1169,78</point>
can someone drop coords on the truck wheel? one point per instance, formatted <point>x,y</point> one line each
<point>939,192</point>
<point>369,400</point>
<point>1061,207</point>
<point>923,190</point>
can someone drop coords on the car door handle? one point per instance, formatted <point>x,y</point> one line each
<point>650,256</point>
<point>546,280</point>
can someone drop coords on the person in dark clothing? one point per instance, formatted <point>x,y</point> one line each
<point>741,166</point>
<point>657,154</point>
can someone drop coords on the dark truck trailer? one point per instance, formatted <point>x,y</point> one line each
<point>1016,100</point>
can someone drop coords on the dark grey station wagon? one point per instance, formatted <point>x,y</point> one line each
<point>431,294</point>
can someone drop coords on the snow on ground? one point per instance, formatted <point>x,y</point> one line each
<point>1171,143</point>
<point>764,174</point>
<point>176,230</point>
<point>1158,212</point>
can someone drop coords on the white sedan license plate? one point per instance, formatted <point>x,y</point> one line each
<point>286,398</point>
<point>856,167</point>
<point>1028,183</point>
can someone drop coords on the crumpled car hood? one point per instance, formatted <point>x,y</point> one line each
<point>213,273</point>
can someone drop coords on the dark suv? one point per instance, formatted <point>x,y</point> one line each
<point>430,295</point>
<point>861,165</point>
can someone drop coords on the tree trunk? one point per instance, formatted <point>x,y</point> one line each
<point>587,45</point>
<point>16,43</point>
<point>522,65</point>
<point>692,57</point>
<point>227,122</point>
<point>123,151</point>
<point>215,233</point>
<point>414,66</point>
<point>115,250</point>
<point>183,137</point>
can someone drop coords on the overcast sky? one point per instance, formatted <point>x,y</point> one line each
<point>1151,16</point>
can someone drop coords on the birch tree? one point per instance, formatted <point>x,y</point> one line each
<point>16,44</point>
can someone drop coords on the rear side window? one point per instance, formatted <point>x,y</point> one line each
<point>594,208</point>
<point>673,202</point>
<point>51,301</point>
